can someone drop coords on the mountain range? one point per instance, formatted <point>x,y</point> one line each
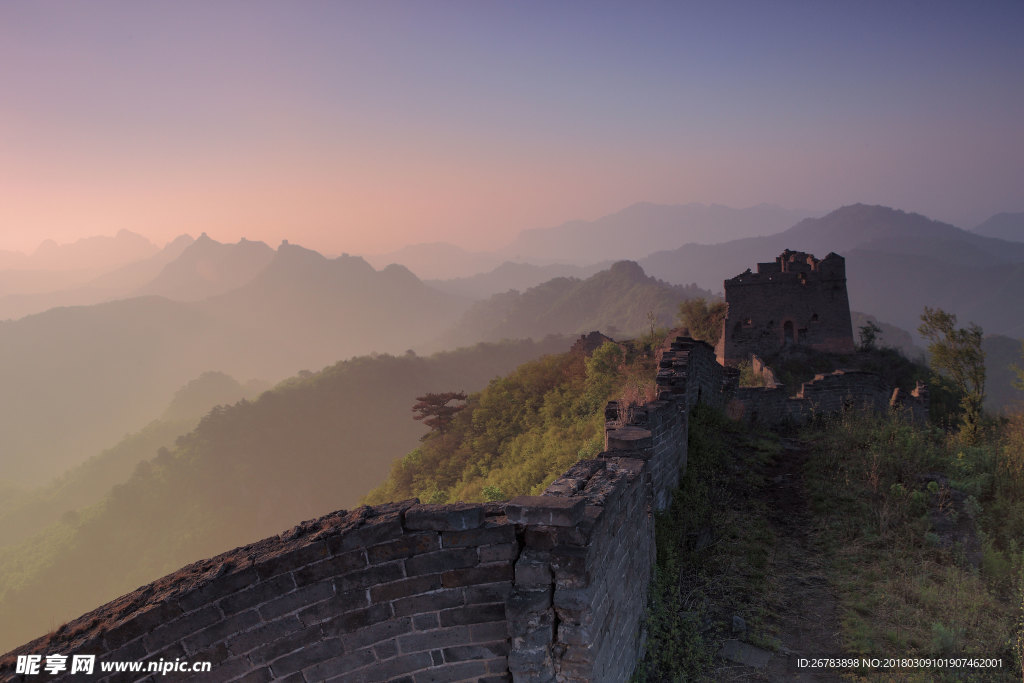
<point>896,263</point>
<point>1005,226</point>
<point>99,371</point>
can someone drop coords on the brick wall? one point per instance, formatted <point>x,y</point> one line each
<point>826,394</point>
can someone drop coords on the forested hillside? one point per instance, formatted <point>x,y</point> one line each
<point>524,430</point>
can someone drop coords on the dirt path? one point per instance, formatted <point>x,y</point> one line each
<point>803,607</point>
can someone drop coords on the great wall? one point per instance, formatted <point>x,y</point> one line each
<point>541,588</point>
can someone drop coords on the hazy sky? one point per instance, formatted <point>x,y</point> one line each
<point>362,126</point>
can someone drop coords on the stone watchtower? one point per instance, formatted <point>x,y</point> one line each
<point>797,300</point>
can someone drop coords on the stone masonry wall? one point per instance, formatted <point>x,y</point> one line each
<point>690,372</point>
<point>826,394</point>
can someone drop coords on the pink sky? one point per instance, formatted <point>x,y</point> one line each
<point>361,127</point>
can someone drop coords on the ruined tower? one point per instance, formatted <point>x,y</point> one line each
<point>795,300</point>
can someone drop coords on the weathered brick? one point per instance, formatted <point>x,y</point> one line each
<point>487,592</point>
<point>335,566</point>
<point>261,675</point>
<point>533,630</point>
<point>405,587</point>
<point>534,664</point>
<point>226,670</point>
<point>428,640</point>
<point>291,559</point>
<point>338,666</point>
<point>498,552</point>
<point>141,623</point>
<point>521,603</point>
<point>290,643</point>
<point>450,672</point>
<point>339,604</point>
<point>570,567</point>
<point>184,625</point>
<point>533,568</point>
<point>428,602</point>
<point>356,619</point>
<point>407,546</point>
<point>266,633</point>
<point>629,438</point>
<point>377,574</point>
<point>297,599</point>
<point>386,649</point>
<point>499,665</point>
<point>490,533</point>
<point>475,614</point>
<point>483,633</point>
<point>312,653</point>
<point>220,631</point>
<point>403,664</point>
<point>550,510</point>
<point>545,537</point>
<point>217,588</point>
<point>442,560</point>
<point>476,575</point>
<point>172,651</point>
<point>257,594</point>
<point>456,517</point>
<point>461,653</point>
<point>425,622</point>
<point>499,678</point>
<point>373,531</point>
<point>370,635</point>
<point>133,650</point>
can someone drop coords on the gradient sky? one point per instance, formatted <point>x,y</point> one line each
<point>363,126</point>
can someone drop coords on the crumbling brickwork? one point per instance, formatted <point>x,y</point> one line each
<point>796,299</point>
<point>826,394</point>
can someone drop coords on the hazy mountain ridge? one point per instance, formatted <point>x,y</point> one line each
<point>207,268</point>
<point>309,446</point>
<point>617,300</point>
<point>114,284</point>
<point>437,260</point>
<point>896,264</point>
<point>96,252</point>
<point>1005,226</point>
<point>102,370</point>
<point>643,228</point>
<point>511,275</point>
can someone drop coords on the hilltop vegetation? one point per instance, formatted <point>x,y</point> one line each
<point>522,431</point>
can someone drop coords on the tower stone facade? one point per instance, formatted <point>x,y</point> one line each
<point>795,300</point>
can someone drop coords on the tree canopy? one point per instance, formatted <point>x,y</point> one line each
<point>957,354</point>
<point>704,319</point>
<point>435,412</point>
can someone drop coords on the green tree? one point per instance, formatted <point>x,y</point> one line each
<point>869,335</point>
<point>957,354</point>
<point>435,411</point>
<point>703,319</point>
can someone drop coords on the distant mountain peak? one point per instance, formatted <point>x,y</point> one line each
<point>630,270</point>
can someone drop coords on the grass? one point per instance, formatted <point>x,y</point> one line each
<point>905,581</point>
<point>714,548</point>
